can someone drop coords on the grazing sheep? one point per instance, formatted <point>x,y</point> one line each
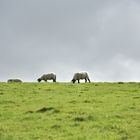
<point>49,76</point>
<point>14,80</point>
<point>80,75</point>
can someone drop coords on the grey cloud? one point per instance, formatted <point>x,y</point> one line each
<point>65,36</point>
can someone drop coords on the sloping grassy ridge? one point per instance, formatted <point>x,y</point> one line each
<point>66,111</point>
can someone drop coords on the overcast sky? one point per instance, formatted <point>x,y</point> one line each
<point>67,36</point>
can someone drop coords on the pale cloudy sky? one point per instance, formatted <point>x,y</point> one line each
<point>67,36</point>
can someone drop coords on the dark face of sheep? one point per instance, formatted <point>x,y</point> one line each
<point>39,80</point>
<point>73,80</point>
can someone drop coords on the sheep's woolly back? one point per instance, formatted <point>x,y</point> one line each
<point>14,80</point>
<point>48,76</point>
<point>81,75</point>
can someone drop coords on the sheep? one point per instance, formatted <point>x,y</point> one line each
<point>14,80</point>
<point>80,75</point>
<point>49,76</point>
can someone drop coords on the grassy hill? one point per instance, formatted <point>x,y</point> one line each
<point>66,111</point>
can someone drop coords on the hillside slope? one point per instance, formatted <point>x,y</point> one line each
<point>66,111</point>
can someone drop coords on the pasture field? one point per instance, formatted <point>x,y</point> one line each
<point>66,111</point>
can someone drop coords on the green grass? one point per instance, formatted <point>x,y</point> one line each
<point>66,111</point>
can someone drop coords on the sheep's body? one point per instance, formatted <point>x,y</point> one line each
<point>80,75</point>
<point>14,80</point>
<point>49,76</point>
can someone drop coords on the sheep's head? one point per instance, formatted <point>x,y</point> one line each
<point>39,80</point>
<point>73,80</point>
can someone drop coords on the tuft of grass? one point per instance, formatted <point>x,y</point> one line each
<point>47,109</point>
<point>120,82</point>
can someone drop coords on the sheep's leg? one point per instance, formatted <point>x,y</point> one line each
<point>54,80</point>
<point>78,81</point>
<point>89,80</point>
<point>85,80</point>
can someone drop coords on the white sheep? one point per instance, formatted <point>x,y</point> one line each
<point>49,76</point>
<point>80,75</point>
<point>14,80</point>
